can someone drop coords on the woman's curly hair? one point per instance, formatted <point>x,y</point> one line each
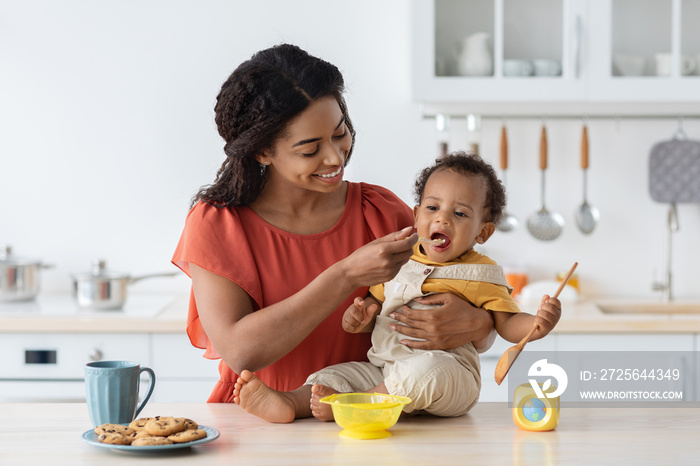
<point>253,108</point>
<point>470,165</point>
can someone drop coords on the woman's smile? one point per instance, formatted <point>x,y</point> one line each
<point>333,177</point>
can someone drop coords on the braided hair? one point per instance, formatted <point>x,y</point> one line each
<point>252,111</point>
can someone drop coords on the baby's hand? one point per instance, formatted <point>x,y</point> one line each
<point>358,316</point>
<point>548,315</point>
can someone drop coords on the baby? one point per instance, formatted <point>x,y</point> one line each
<point>460,201</point>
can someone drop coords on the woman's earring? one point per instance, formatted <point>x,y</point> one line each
<point>263,166</point>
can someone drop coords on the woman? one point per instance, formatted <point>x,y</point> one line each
<point>279,245</point>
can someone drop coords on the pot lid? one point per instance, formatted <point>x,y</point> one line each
<point>99,271</point>
<point>7,257</point>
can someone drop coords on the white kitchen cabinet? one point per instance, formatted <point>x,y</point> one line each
<point>64,355</point>
<point>50,367</point>
<point>696,366</point>
<point>183,375</point>
<point>606,48</point>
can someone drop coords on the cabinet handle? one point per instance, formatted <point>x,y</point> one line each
<point>96,355</point>
<point>579,32</point>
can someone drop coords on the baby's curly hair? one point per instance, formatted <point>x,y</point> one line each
<point>469,165</point>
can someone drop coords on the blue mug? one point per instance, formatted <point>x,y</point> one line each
<point>112,391</point>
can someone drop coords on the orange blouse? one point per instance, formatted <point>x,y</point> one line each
<point>271,264</point>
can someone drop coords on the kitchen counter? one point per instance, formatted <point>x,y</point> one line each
<point>51,434</point>
<point>168,314</point>
<point>586,317</point>
<point>145,313</point>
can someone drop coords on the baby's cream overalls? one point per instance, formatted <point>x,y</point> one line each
<point>443,383</point>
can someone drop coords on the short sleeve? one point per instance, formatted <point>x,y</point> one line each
<point>495,298</point>
<point>206,242</point>
<point>384,212</point>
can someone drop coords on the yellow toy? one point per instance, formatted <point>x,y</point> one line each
<point>532,413</point>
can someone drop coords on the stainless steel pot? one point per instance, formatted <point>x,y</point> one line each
<point>19,277</point>
<point>101,289</point>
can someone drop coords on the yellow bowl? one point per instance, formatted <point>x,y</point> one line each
<point>365,415</point>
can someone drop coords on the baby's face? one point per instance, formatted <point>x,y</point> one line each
<point>452,209</point>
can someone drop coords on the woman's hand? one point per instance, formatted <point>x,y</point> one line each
<point>380,260</point>
<point>453,323</point>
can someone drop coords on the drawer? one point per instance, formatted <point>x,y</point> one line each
<point>63,356</point>
<point>175,357</point>
<point>39,391</point>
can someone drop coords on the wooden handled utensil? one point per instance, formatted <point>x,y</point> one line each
<point>586,215</point>
<point>505,362</point>
<point>509,222</point>
<point>543,224</point>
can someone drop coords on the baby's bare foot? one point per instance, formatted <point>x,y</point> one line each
<point>322,411</point>
<point>251,394</point>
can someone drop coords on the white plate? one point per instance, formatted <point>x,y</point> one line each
<point>212,434</point>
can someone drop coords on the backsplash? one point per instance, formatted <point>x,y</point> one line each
<point>108,131</point>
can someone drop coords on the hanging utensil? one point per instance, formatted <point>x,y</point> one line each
<point>442,125</point>
<point>543,224</point>
<point>508,358</point>
<point>586,216</point>
<point>509,222</point>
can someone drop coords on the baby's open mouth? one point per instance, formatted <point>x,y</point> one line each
<point>439,240</point>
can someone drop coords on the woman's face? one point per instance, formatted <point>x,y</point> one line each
<point>452,209</point>
<point>311,152</point>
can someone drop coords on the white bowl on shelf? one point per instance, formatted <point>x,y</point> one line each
<point>629,65</point>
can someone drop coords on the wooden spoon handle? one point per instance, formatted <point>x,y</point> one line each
<point>563,283</point>
<point>565,280</point>
<point>521,344</point>
<point>543,149</point>
<point>504,148</point>
<point>584,148</point>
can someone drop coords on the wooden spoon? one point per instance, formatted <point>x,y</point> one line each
<point>504,363</point>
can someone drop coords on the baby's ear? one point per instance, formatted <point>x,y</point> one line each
<point>487,229</point>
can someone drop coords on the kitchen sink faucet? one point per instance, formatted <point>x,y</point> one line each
<point>665,288</point>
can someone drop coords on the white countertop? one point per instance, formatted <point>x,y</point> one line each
<point>50,433</point>
<point>154,313</point>
<point>58,313</point>
<point>586,317</point>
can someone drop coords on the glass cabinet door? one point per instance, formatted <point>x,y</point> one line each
<point>645,34</point>
<point>464,37</point>
<point>533,39</point>
<point>645,51</point>
<point>690,37</point>
<point>495,50</point>
<point>641,38</point>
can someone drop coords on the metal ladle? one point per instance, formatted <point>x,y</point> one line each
<point>543,224</point>
<point>508,222</point>
<point>586,216</point>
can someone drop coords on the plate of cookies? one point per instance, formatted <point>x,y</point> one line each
<point>151,434</point>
